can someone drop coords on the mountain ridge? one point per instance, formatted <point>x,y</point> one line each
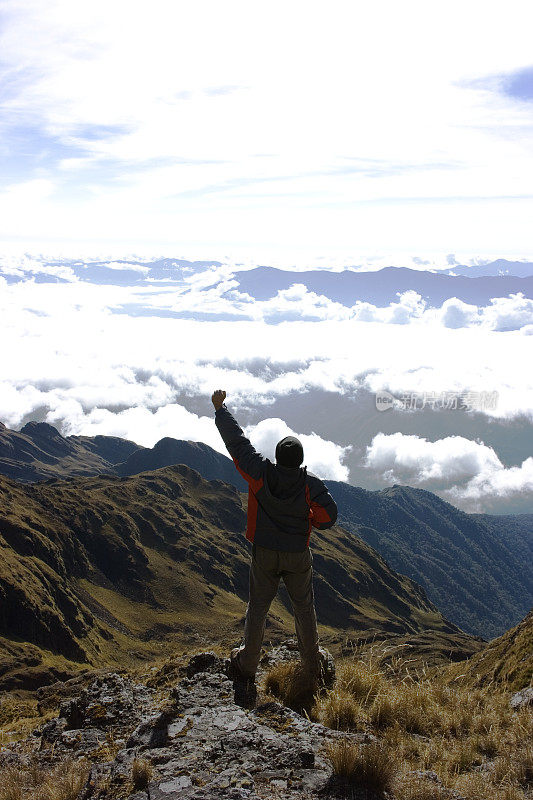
<point>425,517</point>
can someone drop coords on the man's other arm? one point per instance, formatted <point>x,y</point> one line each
<point>323,506</point>
<point>245,457</point>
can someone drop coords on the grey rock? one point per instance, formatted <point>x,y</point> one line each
<point>522,699</point>
<point>96,773</point>
<point>109,701</point>
<point>52,731</point>
<point>204,662</point>
<point>287,651</point>
<point>83,739</point>
<point>152,732</point>
<point>171,785</point>
<point>427,774</point>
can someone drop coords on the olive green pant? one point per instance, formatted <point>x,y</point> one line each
<point>266,569</point>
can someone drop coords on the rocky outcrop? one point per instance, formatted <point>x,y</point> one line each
<point>199,743</point>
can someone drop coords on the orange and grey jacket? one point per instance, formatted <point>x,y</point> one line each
<point>284,503</point>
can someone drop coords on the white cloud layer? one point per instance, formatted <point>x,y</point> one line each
<point>465,472</point>
<point>145,427</point>
<point>65,343</point>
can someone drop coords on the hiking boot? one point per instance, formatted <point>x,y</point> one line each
<point>234,671</point>
<point>244,688</point>
<point>245,693</point>
<point>322,672</point>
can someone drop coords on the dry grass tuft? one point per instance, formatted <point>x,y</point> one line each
<point>141,773</point>
<point>12,709</point>
<point>340,710</point>
<point>64,782</point>
<point>417,787</point>
<point>291,684</point>
<point>476,786</point>
<point>363,681</point>
<point>371,766</point>
<point>524,766</point>
<point>11,786</point>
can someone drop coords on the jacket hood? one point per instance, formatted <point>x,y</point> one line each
<point>284,483</point>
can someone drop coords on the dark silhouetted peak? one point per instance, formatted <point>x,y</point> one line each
<point>112,449</point>
<point>166,444</point>
<point>197,455</point>
<point>41,429</point>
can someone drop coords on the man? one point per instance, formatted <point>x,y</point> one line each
<point>284,502</point>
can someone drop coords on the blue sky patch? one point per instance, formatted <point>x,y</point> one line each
<point>519,84</point>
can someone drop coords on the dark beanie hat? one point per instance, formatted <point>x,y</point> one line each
<point>289,452</point>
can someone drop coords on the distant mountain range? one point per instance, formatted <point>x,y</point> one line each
<point>473,284</point>
<point>38,452</point>
<point>520,269</point>
<point>382,286</point>
<point>475,567</point>
<point>104,569</point>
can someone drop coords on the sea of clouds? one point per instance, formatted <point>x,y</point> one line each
<point>141,362</point>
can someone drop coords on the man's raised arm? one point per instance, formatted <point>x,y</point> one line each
<point>245,457</point>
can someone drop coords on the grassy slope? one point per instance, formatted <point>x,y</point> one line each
<point>507,660</point>
<point>110,570</point>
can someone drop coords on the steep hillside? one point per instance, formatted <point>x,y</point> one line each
<point>472,569</point>
<point>507,660</point>
<point>96,568</point>
<point>515,529</point>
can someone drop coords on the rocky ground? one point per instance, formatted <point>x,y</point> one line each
<point>199,742</point>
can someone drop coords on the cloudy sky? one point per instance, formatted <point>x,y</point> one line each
<point>294,134</point>
<point>298,130</point>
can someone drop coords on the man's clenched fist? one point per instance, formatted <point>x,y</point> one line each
<point>218,397</point>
